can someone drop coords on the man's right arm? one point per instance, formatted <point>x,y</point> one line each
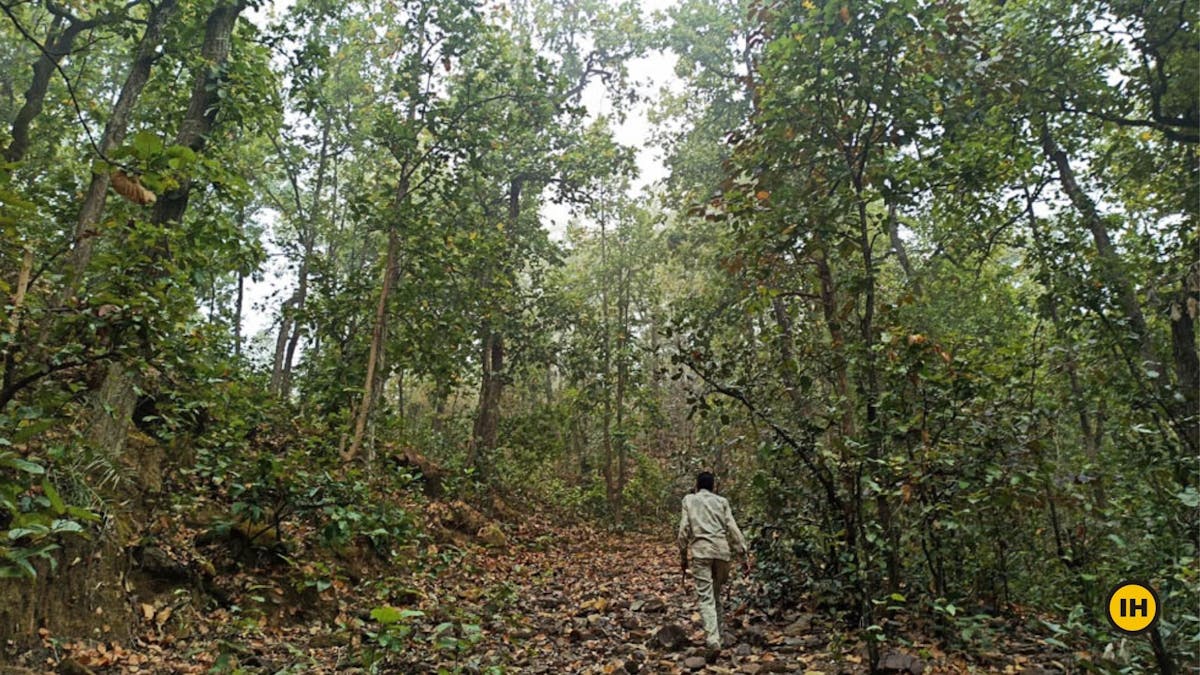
<point>684,536</point>
<point>735,535</point>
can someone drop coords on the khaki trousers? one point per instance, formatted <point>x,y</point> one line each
<point>710,575</point>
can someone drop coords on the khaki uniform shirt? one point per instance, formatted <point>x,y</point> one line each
<point>707,528</point>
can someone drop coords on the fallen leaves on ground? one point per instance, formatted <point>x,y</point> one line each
<point>549,600</point>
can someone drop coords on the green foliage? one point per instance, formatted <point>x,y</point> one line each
<point>399,632</point>
<point>921,287</point>
<point>909,303</point>
<point>33,515</point>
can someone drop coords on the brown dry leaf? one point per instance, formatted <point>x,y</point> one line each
<point>162,616</point>
<point>131,189</point>
<point>148,611</point>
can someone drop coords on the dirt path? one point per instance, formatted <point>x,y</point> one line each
<point>576,600</point>
<point>542,599</point>
<point>587,602</point>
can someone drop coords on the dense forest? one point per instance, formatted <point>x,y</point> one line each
<point>346,335</point>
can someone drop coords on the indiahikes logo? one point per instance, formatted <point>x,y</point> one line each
<point>1133,607</point>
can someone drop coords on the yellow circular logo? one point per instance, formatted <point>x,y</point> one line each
<point>1132,607</point>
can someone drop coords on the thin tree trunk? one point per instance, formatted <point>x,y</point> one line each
<point>606,371</point>
<point>1091,430</point>
<point>241,292</point>
<point>14,319</point>
<point>870,390</point>
<point>622,383</point>
<point>237,317</point>
<point>289,355</point>
<point>285,348</point>
<point>1110,261</point>
<point>441,393</point>
<point>829,308</point>
<point>281,342</point>
<point>899,249</point>
<point>1183,310</point>
<point>114,134</point>
<point>491,388</point>
<point>204,103</point>
<point>59,41</point>
<point>787,358</point>
<point>390,274</point>
<point>851,507</point>
<point>487,420</point>
<point>1183,419</point>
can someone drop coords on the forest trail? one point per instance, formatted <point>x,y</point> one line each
<point>581,600</point>
<point>543,598</point>
<point>604,603</point>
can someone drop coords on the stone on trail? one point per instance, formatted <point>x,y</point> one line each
<point>654,605</point>
<point>670,637</point>
<point>754,636</point>
<point>800,626</point>
<point>694,662</point>
<point>492,536</point>
<point>895,662</point>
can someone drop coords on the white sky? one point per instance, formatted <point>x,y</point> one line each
<point>650,73</point>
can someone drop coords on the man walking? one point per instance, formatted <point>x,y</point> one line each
<point>707,529</point>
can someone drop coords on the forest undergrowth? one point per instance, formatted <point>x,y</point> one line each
<point>503,589</point>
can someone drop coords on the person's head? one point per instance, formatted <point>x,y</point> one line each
<point>705,481</point>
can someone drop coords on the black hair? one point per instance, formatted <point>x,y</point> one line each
<point>705,481</point>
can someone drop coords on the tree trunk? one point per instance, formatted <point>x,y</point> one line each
<point>281,342</point>
<point>114,134</point>
<point>1182,418</point>
<point>1184,308</point>
<point>1091,430</point>
<point>241,293</point>
<point>237,316</point>
<point>441,393</point>
<point>110,416</point>
<point>610,487</point>
<point>491,386</point>
<point>871,394</point>
<point>622,383</point>
<point>285,347</point>
<point>204,103</point>
<point>899,249</point>
<point>1110,261</point>
<point>787,359</point>
<point>837,337</point>
<point>58,44</point>
<point>285,379</point>
<point>487,420</point>
<point>390,276</point>
<point>14,319</point>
